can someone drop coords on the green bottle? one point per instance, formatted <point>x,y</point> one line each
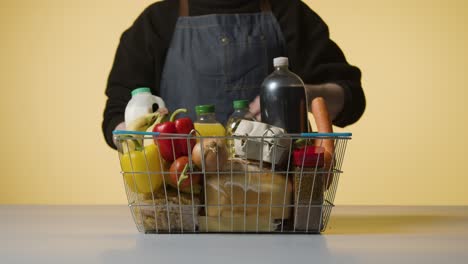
<point>241,112</point>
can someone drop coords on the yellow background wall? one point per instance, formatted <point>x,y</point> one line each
<point>409,148</point>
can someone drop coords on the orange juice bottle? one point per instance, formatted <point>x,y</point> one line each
<point>206,123</point>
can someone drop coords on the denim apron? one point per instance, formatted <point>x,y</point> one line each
<point>216,59</point>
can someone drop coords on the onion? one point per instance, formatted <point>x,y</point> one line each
<point>214,154</point>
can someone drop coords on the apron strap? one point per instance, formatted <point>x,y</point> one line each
<point>265,6</point>
<point>183,8</point>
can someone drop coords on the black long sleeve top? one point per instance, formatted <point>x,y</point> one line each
<point>141,54</point>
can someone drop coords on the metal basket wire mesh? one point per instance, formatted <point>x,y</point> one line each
<point>244,194</point>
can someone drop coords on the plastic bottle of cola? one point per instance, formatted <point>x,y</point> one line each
<point>283,99</point>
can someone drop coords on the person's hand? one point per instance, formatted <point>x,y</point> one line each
<point>254,108</point>
<point>331,92</point>
<point>120,126</point>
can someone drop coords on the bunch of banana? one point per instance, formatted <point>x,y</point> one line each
<point>143,123</point>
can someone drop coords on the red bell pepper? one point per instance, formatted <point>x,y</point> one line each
<point>172,148</point>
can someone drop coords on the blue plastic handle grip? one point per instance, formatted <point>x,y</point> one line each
<point>306,135</point>
<point>311,135</point>
<point>140,133</point>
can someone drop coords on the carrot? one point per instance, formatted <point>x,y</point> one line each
<point>324,125</point>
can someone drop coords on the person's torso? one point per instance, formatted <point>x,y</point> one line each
<point>219,58</point>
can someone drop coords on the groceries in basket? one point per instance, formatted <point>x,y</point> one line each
<point>206,123</point>
<point>141,104</point>
<point>259,141</point>
<point>142,168</point>
<point>164,212</point>
<point>183,180</point>
<point>210,154</point>
<point>322,119</point>
<point>283,99</point>
<point>241,112</point>
<point>183,177</point>
<point>248,198</point>
<point>162,204</point>
<point>172,149</point>
<point>173,207</point>
<point>309,185</point>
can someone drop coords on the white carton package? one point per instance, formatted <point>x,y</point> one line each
<point>259,141</point>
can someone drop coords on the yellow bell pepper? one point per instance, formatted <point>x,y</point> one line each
<point>142,169</point>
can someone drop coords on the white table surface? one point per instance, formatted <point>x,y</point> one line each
<point>107,234</point>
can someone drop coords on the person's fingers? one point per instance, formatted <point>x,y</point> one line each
<point>258,117</point>
<point>120,126</point>
<point>163,111</point>
<point>254,106</point>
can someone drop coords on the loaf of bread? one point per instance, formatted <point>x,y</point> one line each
<point>243,189</point>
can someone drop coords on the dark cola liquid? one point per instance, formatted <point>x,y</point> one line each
<point>284,106</point>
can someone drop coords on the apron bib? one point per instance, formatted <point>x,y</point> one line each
<point>216,59</point>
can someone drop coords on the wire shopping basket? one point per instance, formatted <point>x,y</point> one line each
<point>237,184</point>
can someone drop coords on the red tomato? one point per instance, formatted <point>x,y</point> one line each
<point>177,171</point>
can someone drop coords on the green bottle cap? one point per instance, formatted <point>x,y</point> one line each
<point>203,109</point>
<point>240,104</point>
<point>141,90</point>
